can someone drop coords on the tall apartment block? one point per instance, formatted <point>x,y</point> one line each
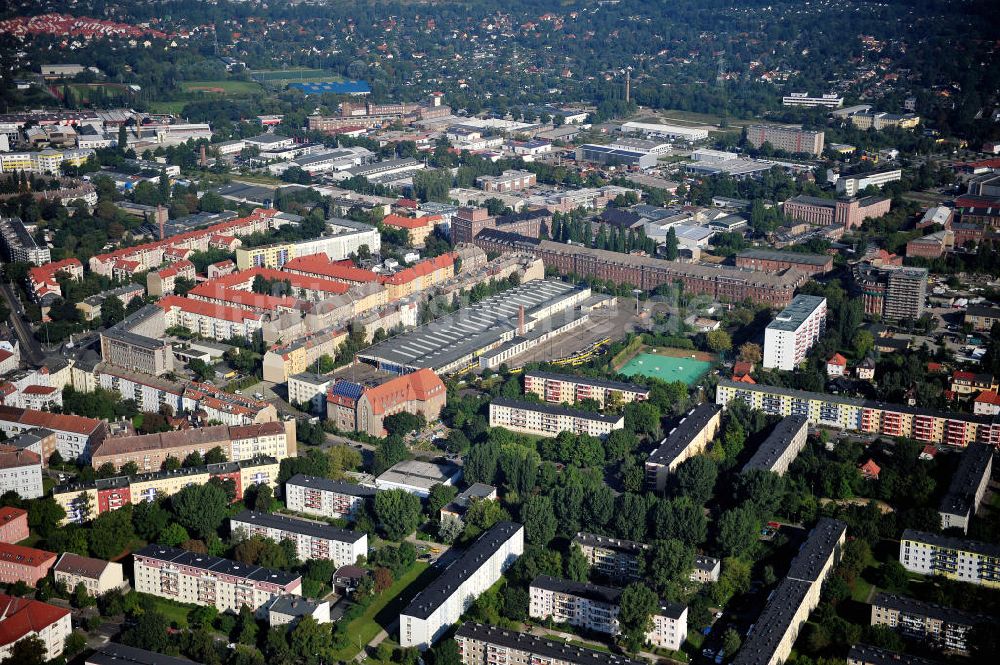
<point>19,245</point>
<point>201,579</point>
<point>445,599</point>
<point>324,497</point>
<point>614,558</point>
<point>789,139</point>
<point>569,389</point>
<point>690,437</point>
<point>955,558</point>
<point>793,332</point>
<point>895,293</point>
<point>313,540</point>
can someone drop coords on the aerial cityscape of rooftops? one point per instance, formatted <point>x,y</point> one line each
<point>468,332</point>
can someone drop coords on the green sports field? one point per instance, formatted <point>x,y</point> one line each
<point>666,368</point>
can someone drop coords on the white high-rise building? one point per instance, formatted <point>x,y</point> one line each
<point>793,332</point>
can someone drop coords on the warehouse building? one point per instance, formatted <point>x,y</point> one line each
<point>610,156</point>
<point>457,341</point>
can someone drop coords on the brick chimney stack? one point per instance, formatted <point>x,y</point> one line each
<point>520,320</point>
<point>204,156</point>
<point>161,219</point>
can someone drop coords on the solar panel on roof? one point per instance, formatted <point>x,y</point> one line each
<point>348,389</point>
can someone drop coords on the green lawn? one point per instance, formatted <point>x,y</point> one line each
<point>222,87</point>
<point>167,107</point>
<point>174,612</point>
<point>383,610</point>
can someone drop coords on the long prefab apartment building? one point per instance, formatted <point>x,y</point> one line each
<point>569,389</point>
<point>201,579</point>
<point>781,447</point>
<point>445,599</point>
<point>690,437</point>
<point>489,645</point>
<point>861,415</point>
<point>313,540</point>
<point>544,419</point>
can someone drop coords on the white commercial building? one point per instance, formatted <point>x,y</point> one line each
<point>313,540</point>
<point>830,100</point>
<point>852,185</point>
<point>324,497</point>
<point>202,579</point>
<point>793,332</point>
<point>418,477</point>
<point>673,132</point>
<point>445,600</point>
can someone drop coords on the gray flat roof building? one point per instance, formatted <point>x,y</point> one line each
<point>686,430</point>
<point>774,447</point>
<point>449,340</point>
<point>793,316</point>
<point>864,654</point>
<point>460,570</point>
<point>121,654</point>
<point>537,649</point>
<point>294,525</point>
<point>328,485</point>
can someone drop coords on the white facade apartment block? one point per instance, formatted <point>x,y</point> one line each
<point>324,497</point>
<point>669,627</point>
<point>958,559</point>
<point>309,388</point>
<point>549,420</point>
<point>201,579</point>
<point>313,540</point>
<point>24,479</point>
<point>445,599</point>
<point>588,606</point>
<point>596,608</point>
<point>52,635</point>
<point>793,332</point>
